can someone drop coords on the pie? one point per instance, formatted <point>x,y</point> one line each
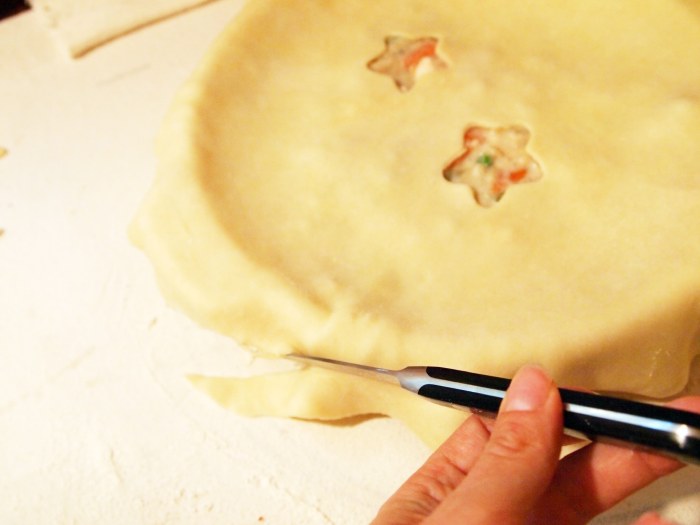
<point>468,184</point>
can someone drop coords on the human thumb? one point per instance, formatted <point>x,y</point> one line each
<point>518,461</point>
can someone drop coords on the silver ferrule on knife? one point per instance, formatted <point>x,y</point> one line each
<point>659,429</point>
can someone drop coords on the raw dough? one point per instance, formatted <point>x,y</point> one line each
<point>300,203</point>
<point>85,24</point>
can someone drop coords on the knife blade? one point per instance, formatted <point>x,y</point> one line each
<point>668,431</point>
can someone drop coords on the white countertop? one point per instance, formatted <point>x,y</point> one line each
<point>97,421</point>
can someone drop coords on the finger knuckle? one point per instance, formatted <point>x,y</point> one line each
<point>515,437</point>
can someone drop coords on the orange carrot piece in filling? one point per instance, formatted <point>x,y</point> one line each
<point>426,50</point>
<point>517,176</point>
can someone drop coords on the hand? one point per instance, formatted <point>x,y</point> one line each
<point>509,473</point>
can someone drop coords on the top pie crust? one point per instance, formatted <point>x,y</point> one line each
<point>300,202</point>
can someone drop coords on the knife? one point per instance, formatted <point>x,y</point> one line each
<point>668,431</point>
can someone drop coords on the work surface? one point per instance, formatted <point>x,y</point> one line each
<point>97,421</point>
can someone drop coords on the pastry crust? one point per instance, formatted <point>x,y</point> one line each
<point>300,203</point>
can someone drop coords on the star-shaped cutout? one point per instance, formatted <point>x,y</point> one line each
<point>405,58</point>
<point>493,160</point>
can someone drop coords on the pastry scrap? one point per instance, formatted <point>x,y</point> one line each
<point>300,203</point>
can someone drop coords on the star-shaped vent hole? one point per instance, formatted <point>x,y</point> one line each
<point>404,59</point>
<point>493,160</point>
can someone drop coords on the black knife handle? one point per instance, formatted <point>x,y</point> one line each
<point>597,417</point>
